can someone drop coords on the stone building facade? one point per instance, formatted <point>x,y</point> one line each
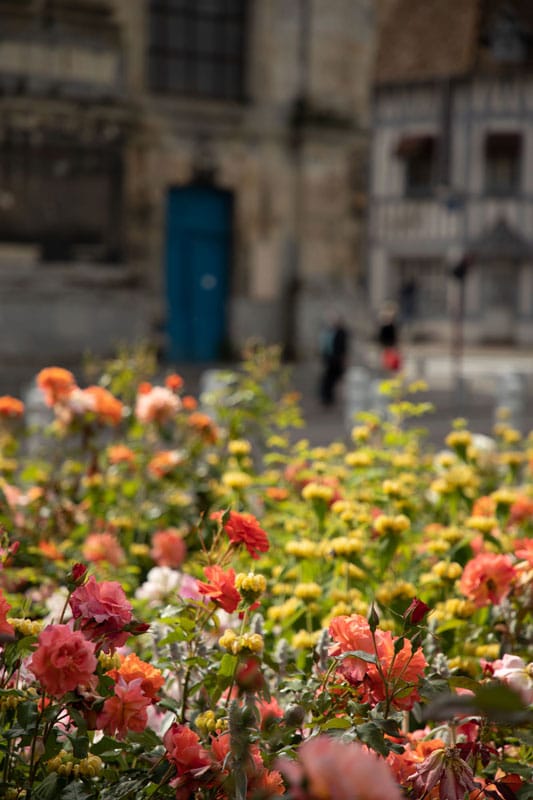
<point>185,171</point>
<point>451,197</point>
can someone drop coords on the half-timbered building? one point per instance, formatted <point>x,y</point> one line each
<point>451,197</point>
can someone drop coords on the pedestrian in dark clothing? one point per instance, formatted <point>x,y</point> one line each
<point>388,338</point>
<point>333,350</point>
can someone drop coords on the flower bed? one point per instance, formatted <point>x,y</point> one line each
<point>197,605</point>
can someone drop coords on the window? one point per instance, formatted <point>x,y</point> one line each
<point>503,153</point>
<point>63,196</point>
<point>419,156</point>
<point>427,279</point>
<point>197,47</point>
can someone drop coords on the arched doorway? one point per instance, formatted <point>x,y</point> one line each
<point>198,244</point>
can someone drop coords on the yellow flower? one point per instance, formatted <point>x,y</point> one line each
<point>389,592</point>
<point>304,548</point>
<point>206,722</point>
<point>459,439</point>
<point>392,488</point>
<point>504,497</point>
<point>250,582</point>
<point>283,611</point>
<point>139,550</point>
<point>303,640</point>
<point>387,524</point>
<point>359,458</point>
<point>239,447</point>
<point>464,664</point>
<point>449,570</point>
<point>27,627</point>
<point>236,480</point>
<point>403,461</point>
<point>483,524</point>
<point>308,591</point>
<point>345,545</point>
<point>361,433</point>
<point>317,491</point>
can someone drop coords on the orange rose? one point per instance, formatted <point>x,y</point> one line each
<point>10,407</point>
<point>56,383</point>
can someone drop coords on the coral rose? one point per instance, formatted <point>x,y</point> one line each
<point>107,408</point>
<point>168,548</point>
<point>164,462</point>
<point>244,529</point>
<point>6,629</point>
<point>351,633</point>
<point>10,407</point>
<point>333,770</point>
<point>103,547</point>
<point>102,611</point>
<point>132,668</point>
<point>221,589</point>
<point>125,711</point>
<point>184,749</point>
<point>487,579</point>
<point>64,660</point>
<point>120,454</point>
<point>56,384</point>
<point>158,404</point>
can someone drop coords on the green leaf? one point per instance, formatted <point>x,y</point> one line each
<point>47,790</point>
<point>228,663</point>
<point>370,734</point>
<point>76,790</point>
<point>362,654</point>
<point>339,723</point>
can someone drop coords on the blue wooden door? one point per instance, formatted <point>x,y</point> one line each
<point>197,267</point>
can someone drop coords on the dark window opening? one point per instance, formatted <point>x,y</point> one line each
<point>197,48</point>
<point>419,156</point>
<point>63,198</point>
<point>503,152</point>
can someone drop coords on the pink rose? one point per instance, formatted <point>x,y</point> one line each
<point>64,660</point>
<point>126,710</point>
<point>103,612</point>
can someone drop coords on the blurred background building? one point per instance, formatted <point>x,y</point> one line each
<point>190,172</point>
<point>451,194</point>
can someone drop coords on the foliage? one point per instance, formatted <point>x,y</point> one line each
<point>200,604</point>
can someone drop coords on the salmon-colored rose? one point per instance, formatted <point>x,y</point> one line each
<point>132,668</point>
<point>120,454</point>
<point>168,548</point>
<point>189,402</point>
<point>102,611</point>
<point>107,408</point>
<point>221,587</point>
<point>5,627</point>
<point>103,547</point>
<point>487,579</point>
<point>244,529</point>
<point>125,711</point>
<point>204,425</point>
<point>333,770</point>
<point>351,633</point>
<point>159,404</point>
<point>64,660</point>
<point>174,382</point>
<point>10,407</point>
<point>184,749</point>
<point>56,384</point>
<point>164,462</point>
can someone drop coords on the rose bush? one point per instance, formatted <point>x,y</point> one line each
<point>202,605</point>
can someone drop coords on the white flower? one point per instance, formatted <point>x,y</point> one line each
<point>516,674</point>
<point>161,582</point>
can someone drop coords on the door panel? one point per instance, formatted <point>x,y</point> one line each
<point>198,252</point>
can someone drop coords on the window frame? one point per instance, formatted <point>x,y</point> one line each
<point>214,71</point>
<point>498,146</point>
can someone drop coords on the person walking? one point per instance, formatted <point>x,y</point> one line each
<point>388,338</point>
<point>333,351</point>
